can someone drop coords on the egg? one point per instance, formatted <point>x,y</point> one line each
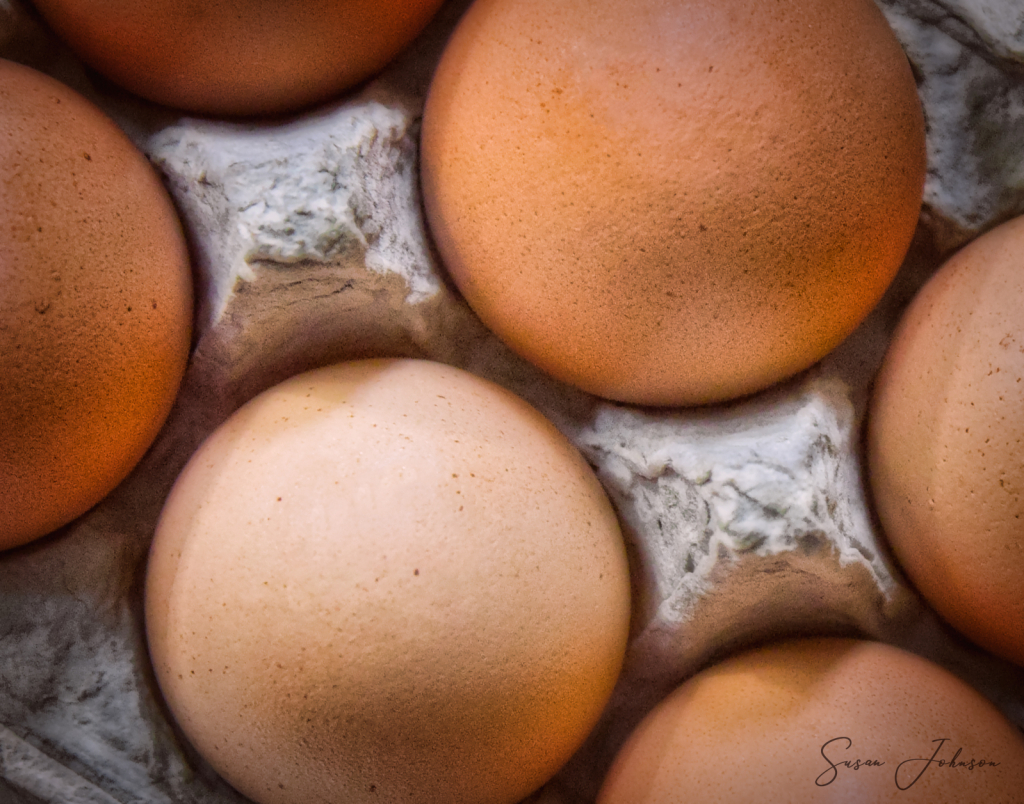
<point>667,202</point>
<point>96,308</point>
<point>387,580</point>
<point>237,57</point>
<point>945,429</point>
<point>821,720</point>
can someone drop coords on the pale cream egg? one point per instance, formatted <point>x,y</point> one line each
<point>387,580</point>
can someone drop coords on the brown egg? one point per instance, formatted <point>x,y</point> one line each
<point>669,202</point>
<point>237,57</point>
<point>387,581</point>
<point>945,431</point>
<point>95,309</point>
<point>817,721</point>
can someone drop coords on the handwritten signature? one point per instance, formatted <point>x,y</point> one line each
<point>904,776</point>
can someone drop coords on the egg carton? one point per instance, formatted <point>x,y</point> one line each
<point>744,522</point>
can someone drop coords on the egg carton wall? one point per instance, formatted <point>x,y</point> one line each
<point>744,522</point>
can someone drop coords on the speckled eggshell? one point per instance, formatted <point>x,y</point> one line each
<point>821,721</point>
<point>669,202</point>
<point>95,305</point>
<point>387,581</point>
<point>945,436</point>
<point>238,57</point>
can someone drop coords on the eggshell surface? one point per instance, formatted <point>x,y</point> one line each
<point>95,305</point>
<point>237,57</point>
<point>945,431</point>
<point>670,202</point>
<point>387,581</point>
<point>821,720</point>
